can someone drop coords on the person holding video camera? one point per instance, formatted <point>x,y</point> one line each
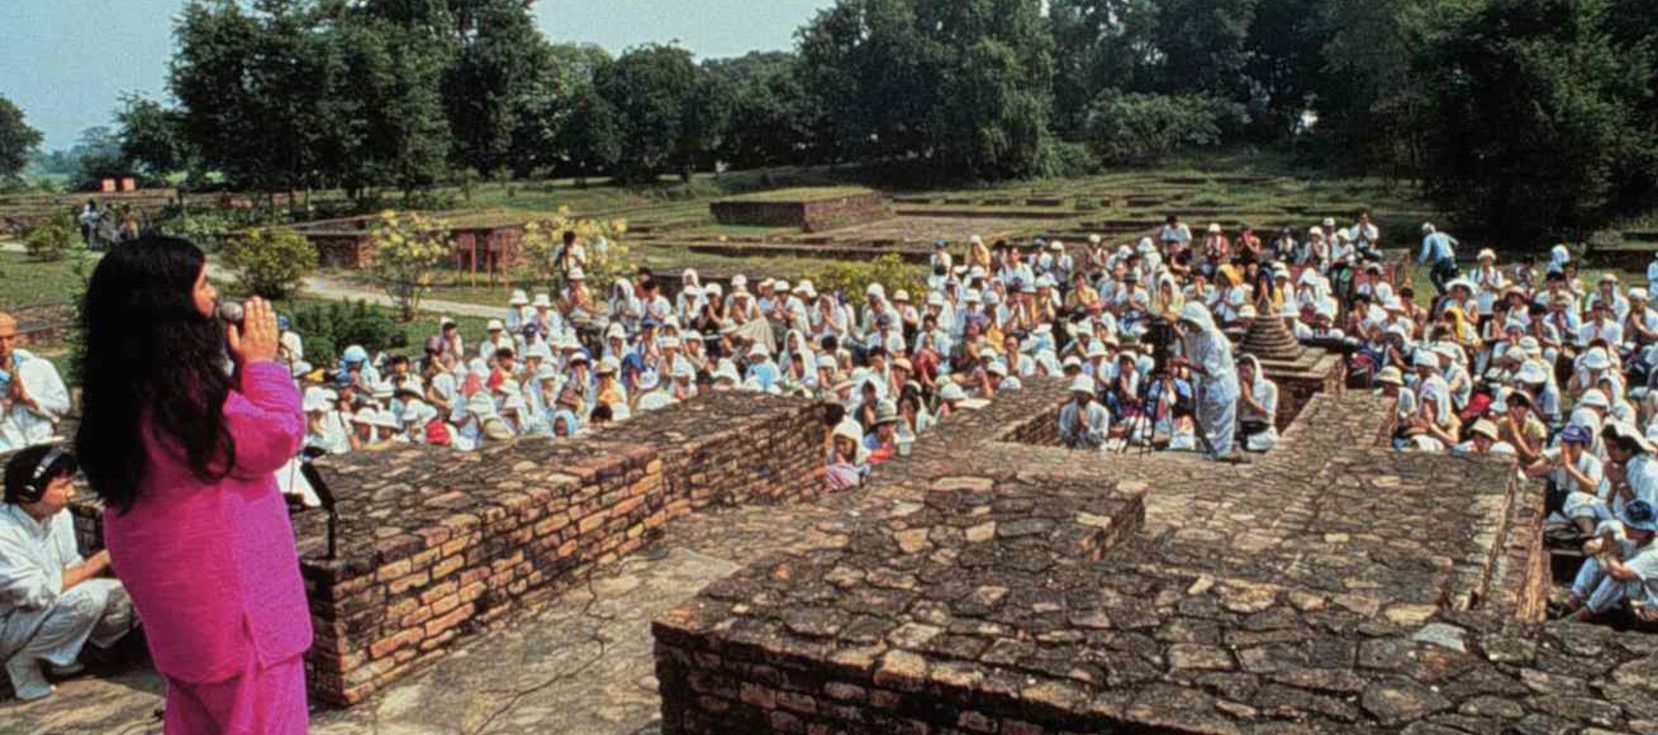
<point>1208,354</point>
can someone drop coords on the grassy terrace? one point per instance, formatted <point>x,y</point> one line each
<point>808,194</point>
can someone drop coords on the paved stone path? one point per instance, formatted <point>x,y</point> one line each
<point>582,666</point>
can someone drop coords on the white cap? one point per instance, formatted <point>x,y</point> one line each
<point>495,325</point>
<point>1082,384</point>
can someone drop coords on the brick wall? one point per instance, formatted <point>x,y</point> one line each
<point>435,545</point>
<point>443,544</point>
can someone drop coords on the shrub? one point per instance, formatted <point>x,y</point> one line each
<point>851,279</point>
<point>1143,128</point>
<point>52,239</point>
<point>408,248</point>
<point>1065,159</point>
<point>270,262</point>
<point>329,329</point>
<point>539,249</point>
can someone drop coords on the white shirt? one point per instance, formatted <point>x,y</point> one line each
<point>33,556</point>
<point>19,425</point>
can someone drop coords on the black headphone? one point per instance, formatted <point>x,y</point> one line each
<point>34,488</point>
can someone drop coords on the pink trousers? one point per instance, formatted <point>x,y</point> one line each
<point>269,701</point>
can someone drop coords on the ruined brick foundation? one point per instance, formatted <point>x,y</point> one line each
<point>1332,586</point>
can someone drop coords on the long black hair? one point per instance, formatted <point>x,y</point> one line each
<point>151,358</point>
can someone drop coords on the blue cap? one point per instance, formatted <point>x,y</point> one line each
<point>1576,435</point>
<point>1639,514</point>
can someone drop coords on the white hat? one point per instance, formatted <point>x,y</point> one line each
<point>539,349</point>
<point>997,368</point>
<point>1636,292</point>
<point>935,299</point>
<point>495,325</point>
<point>615,331</point>
<point>316,399</point>
<point>385,419</point>
<point>951,392</point>
<point>739,280</point>
<point>1425,359</point>
<point>727,371</point>
<point>1596,359</point>
<point>1329,222</point>
<point>1488,254</point>
<point>973,296</point>
<point>1056,245</point>
<point>1070,361</point>
<point>1593,398</point>
<point>1082,384</point>
<point>901,296</point>
<point>367,414</point>
<point>759,350</point>
<point>542,301</point>
<point>1214,228</point>
<point>577,275</point>
<point>519,298</point>
<point>1628,431</point>
<point>1485,428</point>
<point>480,405</point>
<point>1427,228</point>
<point>976,240</point>
<point>805,288</point>
<point>670,342</point>
<point>826,361</point>
<point>683,369</point>
<point>875,289</point>
<point>1390,375</point>
<point>780,285</point>
<point>607,366</point>
<point>1532,373</point>
<point>647,380</point>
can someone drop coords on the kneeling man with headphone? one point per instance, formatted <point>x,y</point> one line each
<point>52,601</point>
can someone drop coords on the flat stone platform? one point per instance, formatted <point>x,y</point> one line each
<point>1331,586</point>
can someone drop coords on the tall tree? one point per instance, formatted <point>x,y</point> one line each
<point>770,119</point>
<point>395,70</point>
<point>497,90</point>
<point>153,139</point>
<point>1104,44</point>
<point>99,154</point>
<point>653,91</point>
<point>17,139</point>
<point>962,86</point>
<point>1535,123</point>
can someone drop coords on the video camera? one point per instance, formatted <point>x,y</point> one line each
<point>1162,337</point>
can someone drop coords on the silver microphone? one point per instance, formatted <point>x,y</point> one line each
<point>232,312</point>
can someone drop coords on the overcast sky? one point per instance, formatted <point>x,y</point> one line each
<point>67,62</point>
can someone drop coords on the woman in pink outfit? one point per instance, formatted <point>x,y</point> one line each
<point>182,450</point>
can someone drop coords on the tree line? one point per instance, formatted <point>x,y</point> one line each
<point>1530,118</point>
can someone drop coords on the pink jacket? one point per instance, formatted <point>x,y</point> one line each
<point>212,568</point>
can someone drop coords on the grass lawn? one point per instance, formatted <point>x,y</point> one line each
<point>25,281</point>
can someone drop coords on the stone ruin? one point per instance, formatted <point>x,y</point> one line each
<point>810,212</point>
<point>994,582</point>
<point>993,585</point>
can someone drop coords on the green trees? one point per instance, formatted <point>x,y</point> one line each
<point>152,138</point>
<point>654,93</point>
<point>1535,123</point>
<point>959,86</point>
<point>17,139</point>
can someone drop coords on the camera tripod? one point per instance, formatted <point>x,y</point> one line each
<point>1147,431</point>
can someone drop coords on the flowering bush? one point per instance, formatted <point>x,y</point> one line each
<point>270,262</point>
<point>408,248</point>
<point>543,244</point>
